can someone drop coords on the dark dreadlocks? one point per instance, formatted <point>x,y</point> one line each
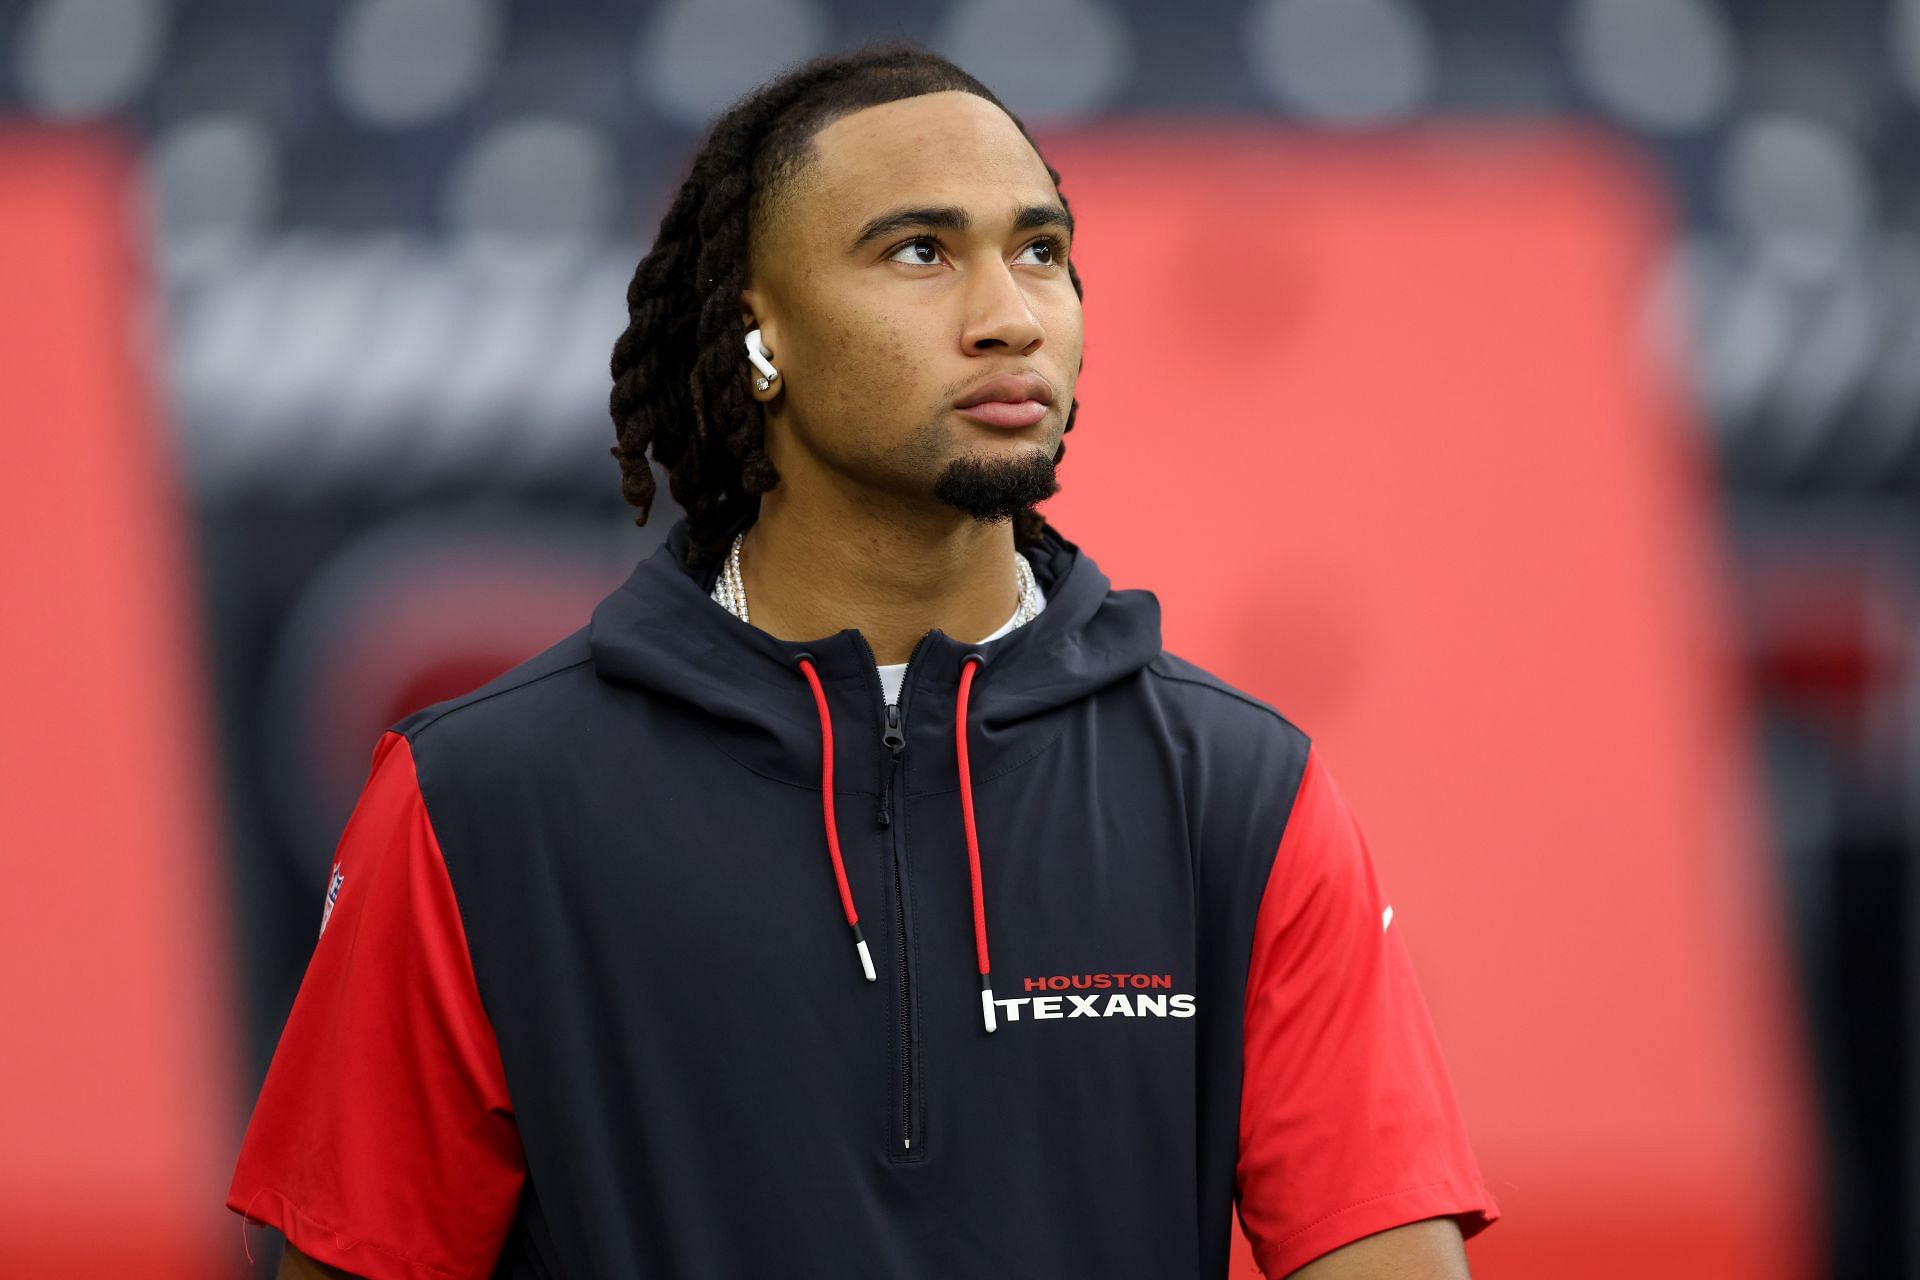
<point>679,372</point>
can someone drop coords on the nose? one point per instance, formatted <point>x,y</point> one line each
<point>998,316</point>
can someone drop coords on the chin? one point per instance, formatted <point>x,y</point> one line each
<point>995,484</point>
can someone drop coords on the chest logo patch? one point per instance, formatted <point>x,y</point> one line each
<point>1097,995</point>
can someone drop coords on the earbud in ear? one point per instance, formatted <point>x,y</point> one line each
<point>757,352</point>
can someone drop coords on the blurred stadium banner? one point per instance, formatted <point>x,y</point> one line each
<point>117,982</point>
<point>1390,428</point>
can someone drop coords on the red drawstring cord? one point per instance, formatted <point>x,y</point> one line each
<point>967,667</point>
<point>833,832</point>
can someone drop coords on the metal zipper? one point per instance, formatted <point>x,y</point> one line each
<point>906,1012</point>
<point>893,737</point>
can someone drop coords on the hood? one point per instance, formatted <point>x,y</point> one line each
<point>662,631</point>
<point>776,706</point>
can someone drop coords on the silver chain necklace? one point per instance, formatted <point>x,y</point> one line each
<point>730,591</point>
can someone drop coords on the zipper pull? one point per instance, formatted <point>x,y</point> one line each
<point>896,742</point>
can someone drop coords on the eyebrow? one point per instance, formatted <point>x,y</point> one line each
<point>954,218</point>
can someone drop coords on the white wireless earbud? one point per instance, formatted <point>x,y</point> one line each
<point>757,352</point>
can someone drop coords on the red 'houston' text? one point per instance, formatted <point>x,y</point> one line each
<point>1099,982</point>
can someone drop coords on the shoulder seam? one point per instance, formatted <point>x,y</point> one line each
<point>1224,692</point>
<point>461,704</point>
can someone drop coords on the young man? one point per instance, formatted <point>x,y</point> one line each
<point>667,952</point>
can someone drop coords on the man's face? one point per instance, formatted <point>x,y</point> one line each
<point>920,253</point>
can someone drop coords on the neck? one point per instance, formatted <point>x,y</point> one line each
<point>812,568</point>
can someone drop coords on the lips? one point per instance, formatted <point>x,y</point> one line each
<point>1008,388</point>
<point>1010,400</point>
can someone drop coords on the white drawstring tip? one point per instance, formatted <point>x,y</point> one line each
<point>866,960</point>
<point>986,1006</point>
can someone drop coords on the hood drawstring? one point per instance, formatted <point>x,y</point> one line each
<point>833,832</point>
<point>967,667</point>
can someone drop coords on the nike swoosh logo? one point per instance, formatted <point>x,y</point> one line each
<point>1386,918</point>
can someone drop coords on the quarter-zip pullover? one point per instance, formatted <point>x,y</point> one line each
<point>677,951</point>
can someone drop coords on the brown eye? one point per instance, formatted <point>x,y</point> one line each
<point>1048,246</point>
<point>920,242</point>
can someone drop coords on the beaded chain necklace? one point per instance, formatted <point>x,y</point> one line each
<point>731,590</point>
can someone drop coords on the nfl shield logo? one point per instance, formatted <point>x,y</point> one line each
<point>333,895</point>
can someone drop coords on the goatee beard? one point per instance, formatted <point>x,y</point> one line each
<point>997,489</point>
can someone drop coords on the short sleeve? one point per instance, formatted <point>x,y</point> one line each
<point>1348,1120</point>
<point>383,1141</point>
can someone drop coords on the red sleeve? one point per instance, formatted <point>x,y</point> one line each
<point>1348,1121</point>
<point>383,1141</point>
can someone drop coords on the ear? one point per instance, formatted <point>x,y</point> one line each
<point>754,315</point>
<point>751,318</point>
